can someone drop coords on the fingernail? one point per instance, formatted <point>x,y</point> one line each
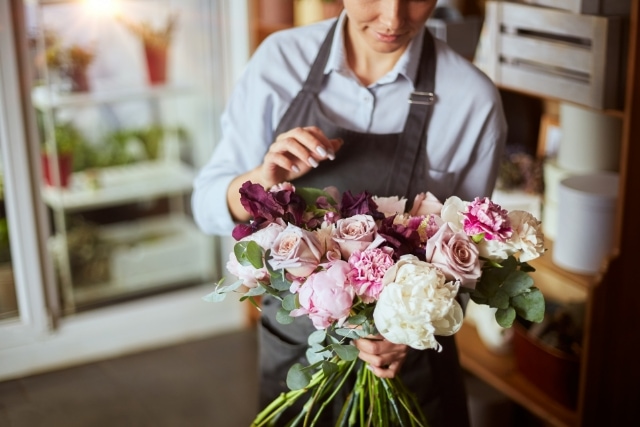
<point>331,155</point>
<point>313,162</point>
<point>321,151</point>
<point>295,169</point>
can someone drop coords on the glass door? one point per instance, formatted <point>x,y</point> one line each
<point>124,100</point>
<point>106,259</point>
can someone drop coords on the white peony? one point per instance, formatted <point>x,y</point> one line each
<point>416,304</point>
<point>452,212</point>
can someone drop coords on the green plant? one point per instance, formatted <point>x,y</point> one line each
<point>60,57</point>
<point>5,249</point>
<point>158,37</point>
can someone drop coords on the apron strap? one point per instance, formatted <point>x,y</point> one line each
<point>413,138</point>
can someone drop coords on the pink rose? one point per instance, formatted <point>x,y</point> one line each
<point>250,275</point>
<point>484,217</point>
<point>325,296</point>
<point>356,233</point>
<point>367,270</point>
<point>455,255</point>
<point>425,204</point>
<point>296,250</point>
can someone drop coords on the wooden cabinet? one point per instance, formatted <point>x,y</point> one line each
<point>609,384</point>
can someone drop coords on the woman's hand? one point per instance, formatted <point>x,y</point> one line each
<point>383,357</point>
<point>296,152</point>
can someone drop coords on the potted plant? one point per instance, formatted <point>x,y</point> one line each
<point>69,61</point>
<point>58,154</point>
<point>155,42</point>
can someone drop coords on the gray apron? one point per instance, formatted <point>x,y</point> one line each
<point>383,165</point>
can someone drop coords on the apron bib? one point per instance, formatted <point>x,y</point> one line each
<point>383,165</point>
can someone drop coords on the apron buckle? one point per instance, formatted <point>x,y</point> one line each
<point>422,98</point>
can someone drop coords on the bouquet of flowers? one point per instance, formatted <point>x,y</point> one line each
<point>361,265</point>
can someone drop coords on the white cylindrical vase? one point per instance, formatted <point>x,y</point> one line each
<point>590,139</point>
<point>586,221</point>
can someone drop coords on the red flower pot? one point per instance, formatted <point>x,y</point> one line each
<point>57,170</point>
<point>156,57</point>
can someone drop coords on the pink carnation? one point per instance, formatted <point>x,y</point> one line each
<point>487,218</point>
<point>367,270</point>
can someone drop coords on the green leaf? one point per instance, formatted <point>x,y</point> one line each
<point>516,283</point>
<point>317,354</point>
<point>297,377</point>
<point>329,368</point>
<point>311,194</point>
<point>506,317</point>
<point>253,292</point>
<point>350,333</point>
<point>345,352</point>
<point>249,253</point>
<point>214,296</point>
<point>500,300</point>
<point>277,277</point>
<point>317,337</point>
<point>530,305</point>
<point>289,302</point>
<point>357,319</point>
<point>283,317</point>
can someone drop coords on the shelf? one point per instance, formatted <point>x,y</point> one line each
<point>500,372</point>
<point>547,271</point>
<point>122,184</point>
<point>150,254</point>
<point>44,97</point>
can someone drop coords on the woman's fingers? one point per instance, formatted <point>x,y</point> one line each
<point>384,358</point>
<point>296,152</point>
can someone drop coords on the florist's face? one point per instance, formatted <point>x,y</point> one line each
<point>386,26</point>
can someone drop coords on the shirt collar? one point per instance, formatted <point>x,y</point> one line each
<point>407,65</point>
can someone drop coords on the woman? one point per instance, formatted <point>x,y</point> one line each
<point>369,101</point>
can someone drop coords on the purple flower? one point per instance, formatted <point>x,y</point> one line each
<point>260,203</point>
<point>402,239</point>
<point>361,204</point>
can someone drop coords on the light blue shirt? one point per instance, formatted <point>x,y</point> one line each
<point>466,134</point>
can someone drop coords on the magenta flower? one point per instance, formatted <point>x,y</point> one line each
<point>367,270</point>
<point>484,217</point>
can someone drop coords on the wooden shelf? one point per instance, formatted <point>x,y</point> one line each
<point>500,372</point>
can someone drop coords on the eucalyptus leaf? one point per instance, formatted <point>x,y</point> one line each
<point>516,283</point>
<point>278,279</point>
<point>289,302</point>
<point>530,305</point>
<point>345,352</point>
<point>350,333</point>
<point>357,320</point>
<point>214,296</point>
<point>229,288</point>
<point>249,253</point>
<point>297,377</point>
<point>317,337</point>
<point>283,317</point>
<point>500,300</point>
<point>315,356</point>
<point>254,292</point>
<point>329,368</point>
<point>506,317</point>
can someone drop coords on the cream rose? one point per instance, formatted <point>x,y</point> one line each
<point>416,304</point>
<point>356,233</point>
<point>426,204</point>
<point>390,205</point>
<point>455,254</point>
<point>296,250</point>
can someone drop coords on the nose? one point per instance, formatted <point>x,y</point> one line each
<point>391,14</point>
